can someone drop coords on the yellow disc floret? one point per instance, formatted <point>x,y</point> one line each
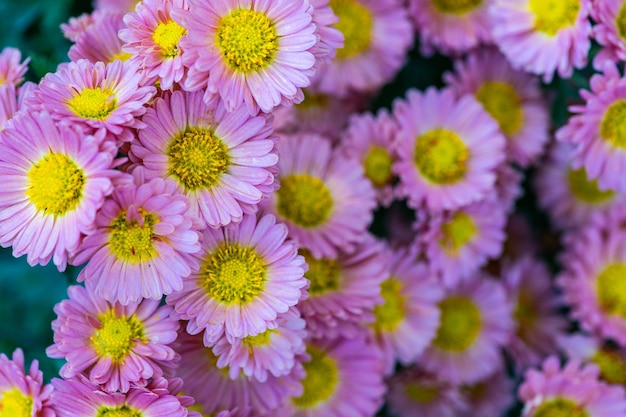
<point>377,166</point>
<point>392,311</point>
<point>457,232</point>
<point>247,40</point>
<point>503,103</point>
<point>233,274</point>
<point>320,382</point>
<point>13,403</point>
<point>166,36</point>
<point>93,103</point>
<point>324,273</point>
<point>422,394</point>
<point>441,156</point>
<point>356,23</point>
<point>560,407</point>
<point>197,158</point>
<point>611,289</point>
<point>117,336</point>
<point>613,125</point>
<point>55,184</point>
<point>121,411</point>
<point>459,325</point>
<point>585,190</point>
<point>620,22</point>
<point>313,101</point>
<point>553,15</point>
<point>261,339</point>
<point>133,240</point>
<point>612,365</point>
<point>304,200</point>
<point>458,7</point>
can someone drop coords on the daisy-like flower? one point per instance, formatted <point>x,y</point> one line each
<point>596,128</point>
<point>214,390</point>
<point>343,379</point>
<point>475,323</point>
<point>573,390</point>
<point>23,394</point>
<point>272,352</point>
<point>153,37</point>
<point>568,195</point>
<point>115,345</point>
<point>223,162</point>
<point>536,311</point>
<point>257,53</point>
<point>510,96</point>
<point>490,397</point>
<point>543,37</point>
<point>416,393</point>
<point>609,31</point>
<point>448,147</point>
<point>451,27</point>
<point>407,320</point>
<point>54,181</point>
<point>99,40</point>
<point>369,138</point>
<point>461,241</point>
<point>11,69</point>
<point>324,197</point>
<point>141,244</point>
<point>78,397</point>
<point>95,96</point>
<point>344,290</point>
<point>248,275</point>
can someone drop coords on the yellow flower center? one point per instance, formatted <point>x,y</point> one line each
<point>441,156</point>
<point>585,190</point>
<point>93,103</point>
<point>612,365</point>
<point>320,382</point>
<point>421,394</point>
<point>457,232</point>
<point>324,273</point>
<point>313,101</point>
<point>503,103</point>
<point>133,241</point>
<point>117,336</point>
<point>55,184</point>
<point>611,289</point>
<point>525,315</point>
<point>553,15</point>
<point>233,274</point>
<point>356,24</point>
<point>166,36</point>
<point>459,325</point>
<point>304,200</point>
<point>620,22</point>
<point>560,407</point>
<point>613,127</point>
<point>121,411</point>
<point>197,158</point>
<point>122,56</point>
<point>377,166</point>
<point>392,311</point>
<point>247,40</point>
<point>457,7</point>
<point>13,403</point>
<point>261,339</point>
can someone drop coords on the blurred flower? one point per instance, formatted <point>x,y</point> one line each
<point>99,40</point>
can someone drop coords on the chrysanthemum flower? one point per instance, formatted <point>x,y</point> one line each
<point>324,197</point>
<point>536,311</point>
<point>415,393</point>
<point>377,36</point>
<point>272,352</point>
<point>609,31</point>
<point>11,69</point>
<point>249,52</point>
<point>370,139</point>
<point>510,96</point>
<point>141,244</point>
<point>407,320</point>
<point>573,390</point>
<point>152,37</point>
<point>223,162</point>
<point>451,27</point>
<point>491,396</point>
<point>54,179</point>
<point>448,147</point>
<point>99,40</point>
<point>596,130</point>
<point>116,346</point>
<point>569,196</point>
<point>543,37</point>
<point>214,390</point>
<point>95,96</point>
<point>343,379</point>
<point>78,397</point>
<point>23,394</point>
<point>345,289</point>
<point>248,275</point>
<point>476,322</point>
